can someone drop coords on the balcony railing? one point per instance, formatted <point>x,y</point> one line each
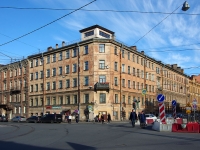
<point>101,86</point>
<point>15,90</point>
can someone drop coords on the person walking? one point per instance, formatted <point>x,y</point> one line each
<point>102,118</point>
<point>133,117</point>
<point>142,119</point>
<point>76,117</point>
<point>109,118</point>
<point>99,117</point>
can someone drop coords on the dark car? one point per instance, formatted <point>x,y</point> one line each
<point>3,118</point>
<point>52,118</point>
<point>34,119</point>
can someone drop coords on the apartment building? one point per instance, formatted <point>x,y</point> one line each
<point>99,75</point>
<point>14,89</point>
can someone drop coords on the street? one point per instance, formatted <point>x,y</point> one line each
<point>91,136</point>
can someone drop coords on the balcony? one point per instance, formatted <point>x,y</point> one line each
<point>101,86</point>
<point>15,90</point>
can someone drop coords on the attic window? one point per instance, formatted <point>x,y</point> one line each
<point>104,34</point>
<point>89,33</point>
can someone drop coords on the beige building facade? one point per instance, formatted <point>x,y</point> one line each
<point>100,75</point>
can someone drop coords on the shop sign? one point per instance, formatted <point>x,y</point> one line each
<point>56,107</point>
<point>48,107</point>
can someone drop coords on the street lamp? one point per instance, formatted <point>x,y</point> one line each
<point>185,6</point>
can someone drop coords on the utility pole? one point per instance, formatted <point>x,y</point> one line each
<point>43,87</point>
<point>79,82</point>
<point>120,80</point>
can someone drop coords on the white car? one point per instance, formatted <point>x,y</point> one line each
<point>151,116</point>
<point>19,119</point>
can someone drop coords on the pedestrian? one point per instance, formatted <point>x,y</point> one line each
<point>99,117</point>
<point>70,118</point>
<point>109,118</point>
<point>133,117</point>
<point>102,118</point>
<point>76,118</point>
<point>139,113</point>
<point>142,119</point>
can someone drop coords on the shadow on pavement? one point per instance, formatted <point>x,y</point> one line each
<point>81,147</point>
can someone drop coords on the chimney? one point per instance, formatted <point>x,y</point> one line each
<point>56,45</point>
<point>182,70</point>
<point>49,48</point>
<point>174,66</point>
<point>63,43</point>
<point>133,48</point>
<point>142,52</point>
<point>178,69</point>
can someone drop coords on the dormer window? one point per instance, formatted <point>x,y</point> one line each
<point>104,34</point>
<point>89,33</point>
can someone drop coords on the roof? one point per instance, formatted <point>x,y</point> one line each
<point>96,26</point>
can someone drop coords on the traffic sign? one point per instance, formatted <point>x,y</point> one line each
<point>160,98</point>
<point>173,102</point>
<point>144,91</point>
<point>194,101</point>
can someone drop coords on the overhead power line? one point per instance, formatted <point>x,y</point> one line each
<point>47,24</point>
<point>106,10</point>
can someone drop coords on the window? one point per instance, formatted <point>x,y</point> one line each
<point>101,48</point>
<point>102,98</point>
<point>31,76</point>
<point>147,75</point>
<point>60,84</point>
<point>116,98</point>
<point>48,59</point>
<point>101,64</point>
<point>142,73</point>
<point>48,73</point>
<point>115,66</point>
<point>15,73</point>
<point>133,71</point>
<point>60,70</point>
<point>129,70</point>
<point>31,104</point>
<point>116,83</point>
<point>67,99</point>
<point>123,67</point>
<point>122,53</point>
<point>74,82</point>
<point>60,100</point>
<point>31,88</point>
<point>48,101</point>
<point>138,85</point>
<point>138,73</point>
<point>31,63</point>
<point>102,79</point>
<point>41,61</point>
<point>67,69</point>
<point>129,84</point>
<point>36,62</point>
<point>89,33</point>
<point>138,59</point>
<point>36,88</point>
<point>133,57</point>
<point>142,61</point>
<point>54,71</point>
<point>86,49</point>
<point>74,68</point>
<point>75,99</point>
<point>60,56</point>
<point>133,84</point>
<point>152,77</point>
<point>86,80</point>
<point>152,67</point>
<point>67,83</point>
<point>36,75</point>
<point>128,55</point>
<point>54,100</point>
<point>67,54</point>
<point>41,86</point>
<point>104,34</point>
<point>86,65</point>
<point>36,102</point>
<point>74,52</point>
<point>123,99</point>
<point>54,85</point>
<point>54,58</point>
<point>129,99</point>
<point>123,82</point>
<point>149,64</point>
<point>41,75</point>
<point>115,50</point>
<point>86,98</point>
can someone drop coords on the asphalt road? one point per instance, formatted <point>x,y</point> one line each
<point>89,136</point>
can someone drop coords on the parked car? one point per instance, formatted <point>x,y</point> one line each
<point>34,119</point>
<point>18,119</point>
<point>3,118</point>
<point>151,116</point>
<point>52,118</point>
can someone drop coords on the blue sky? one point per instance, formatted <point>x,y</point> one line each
<point>175,41</point>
